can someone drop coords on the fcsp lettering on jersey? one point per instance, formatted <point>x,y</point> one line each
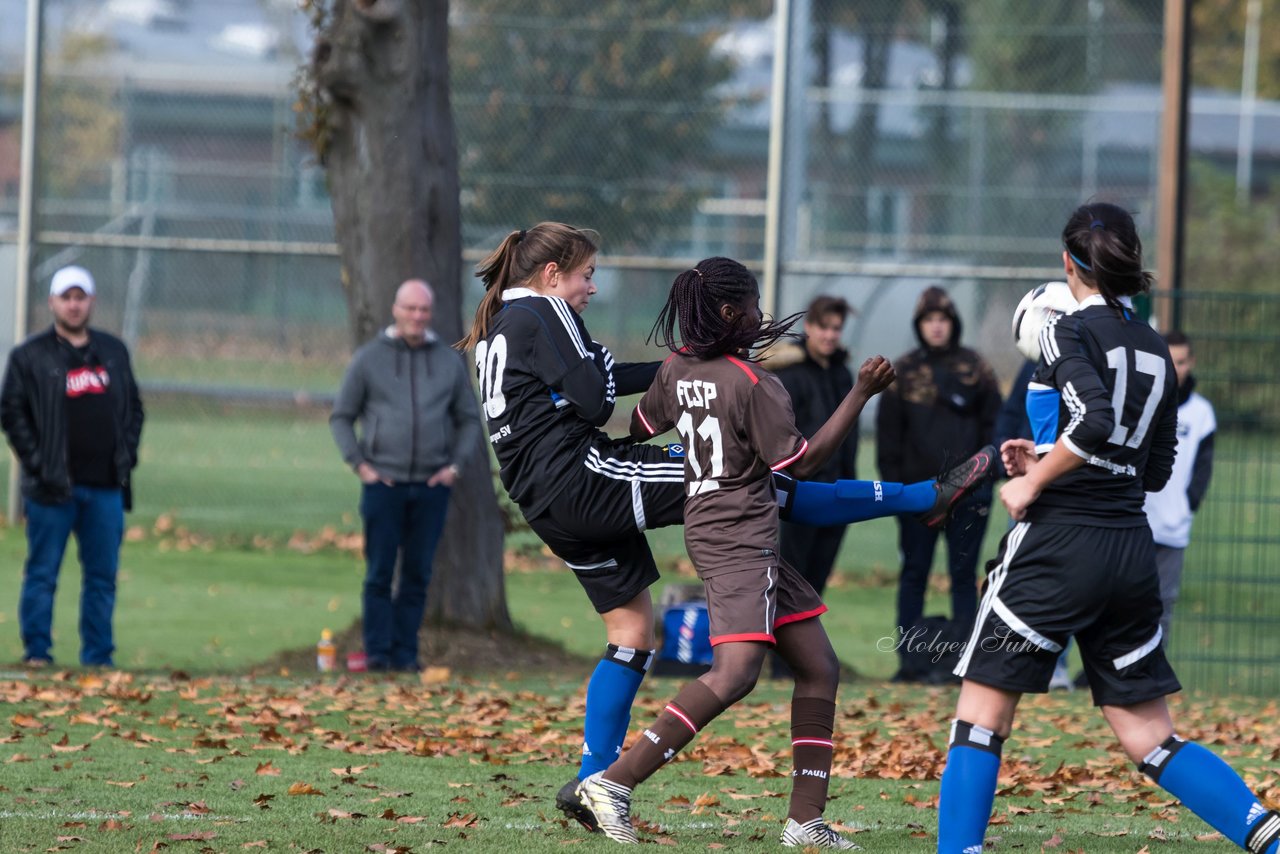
<point>691,393</point>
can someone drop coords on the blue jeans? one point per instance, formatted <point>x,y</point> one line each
<point>405,520</point>
<point>96,517</point>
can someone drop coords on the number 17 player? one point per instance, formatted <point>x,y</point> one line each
<point>1080,560</point>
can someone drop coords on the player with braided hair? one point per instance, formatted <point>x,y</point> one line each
<point>547,387</point>
<point>737,427</point>
<point>1081,561</point>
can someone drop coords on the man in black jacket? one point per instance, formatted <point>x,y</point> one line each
<point>71,410</point>
<point>817,377</point>
<point>942,408</point>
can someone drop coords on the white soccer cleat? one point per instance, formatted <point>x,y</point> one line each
<point>815,833</point>
<point>611,805</point>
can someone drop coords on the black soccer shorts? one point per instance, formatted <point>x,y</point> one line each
<point>1053,582</point>
<point>596,524</point>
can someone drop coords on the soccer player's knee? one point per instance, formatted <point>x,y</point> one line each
<point>818,668</point>
<point>735,684</point>
<point>965,734</point>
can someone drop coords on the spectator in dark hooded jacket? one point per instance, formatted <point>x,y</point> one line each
<point>942,408</point>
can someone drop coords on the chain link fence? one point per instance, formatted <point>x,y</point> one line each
<point>1226,629</point>
<point>925,142</point>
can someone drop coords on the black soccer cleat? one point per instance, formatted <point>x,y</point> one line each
<point>568,802</point>
<point>955,484</point>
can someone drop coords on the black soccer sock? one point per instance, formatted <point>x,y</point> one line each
<point>693,708</point>
<point>812,724</point>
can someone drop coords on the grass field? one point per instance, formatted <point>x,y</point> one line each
<point>242,756</point>
<point>123,763</point>
<point>197,608</point>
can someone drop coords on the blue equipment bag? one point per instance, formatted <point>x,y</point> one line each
<point>686,633</point>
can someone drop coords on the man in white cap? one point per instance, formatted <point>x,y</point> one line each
<point>71,410</point>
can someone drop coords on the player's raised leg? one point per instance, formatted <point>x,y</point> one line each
<point>848,501</point>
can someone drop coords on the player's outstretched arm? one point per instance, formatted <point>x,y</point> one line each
<point>875,375</point>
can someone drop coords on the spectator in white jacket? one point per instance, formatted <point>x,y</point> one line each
<point>1169,511</point>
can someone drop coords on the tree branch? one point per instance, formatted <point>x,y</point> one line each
<point>380,11</point>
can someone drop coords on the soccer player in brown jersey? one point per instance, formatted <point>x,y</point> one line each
<point>736,423</point>
<point>547,388</point>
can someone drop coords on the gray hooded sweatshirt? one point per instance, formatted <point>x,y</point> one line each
<point>415,406</point>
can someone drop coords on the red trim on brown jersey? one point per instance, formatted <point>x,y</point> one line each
<point>804,446</point>
<point>754,379</point>
<point>645,422</point>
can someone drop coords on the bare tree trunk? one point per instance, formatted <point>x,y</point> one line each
<point>381,67</point>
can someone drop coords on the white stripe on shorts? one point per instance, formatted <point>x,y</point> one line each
<point>1141,652</point>
<point>994,580</point>
<point>1014,622</point>
<point>770,607</point>
<point>588,567</point>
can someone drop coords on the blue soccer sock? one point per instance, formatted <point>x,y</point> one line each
<point>1212,790</point>
<point>610,693</point>
<point>846,501</point>
<point>968,788</point>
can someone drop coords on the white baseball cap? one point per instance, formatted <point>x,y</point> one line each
<point>71,277</point>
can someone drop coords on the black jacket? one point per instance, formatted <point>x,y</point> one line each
<point>941,409</point>
<point>33,412</point>
<point>815,393</point>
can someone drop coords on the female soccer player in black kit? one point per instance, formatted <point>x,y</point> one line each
<point>546,390</point>
<point>1080,560</point>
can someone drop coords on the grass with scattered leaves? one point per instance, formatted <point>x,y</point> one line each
<point>117,762</point>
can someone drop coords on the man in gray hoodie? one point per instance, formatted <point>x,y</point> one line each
<point>418,421</point>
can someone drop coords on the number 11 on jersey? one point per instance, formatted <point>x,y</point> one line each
<point>698,393</point>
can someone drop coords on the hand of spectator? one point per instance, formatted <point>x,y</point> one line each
<point>1018,456</point>
<point>369,475</point>
<point>445,477</point>
<point>1017,495</point>
<point>875,375</point>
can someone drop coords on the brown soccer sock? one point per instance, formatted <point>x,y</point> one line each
<point>693,708</point>
<point>812,723</point>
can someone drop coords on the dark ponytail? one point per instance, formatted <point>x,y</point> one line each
<point>1103,242</point>
<point>520,256</point>
<point>693,309</point>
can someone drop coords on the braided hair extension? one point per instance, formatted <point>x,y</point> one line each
<point>1103,241</point>
<point>520,257</point>
<point>693,309</point>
